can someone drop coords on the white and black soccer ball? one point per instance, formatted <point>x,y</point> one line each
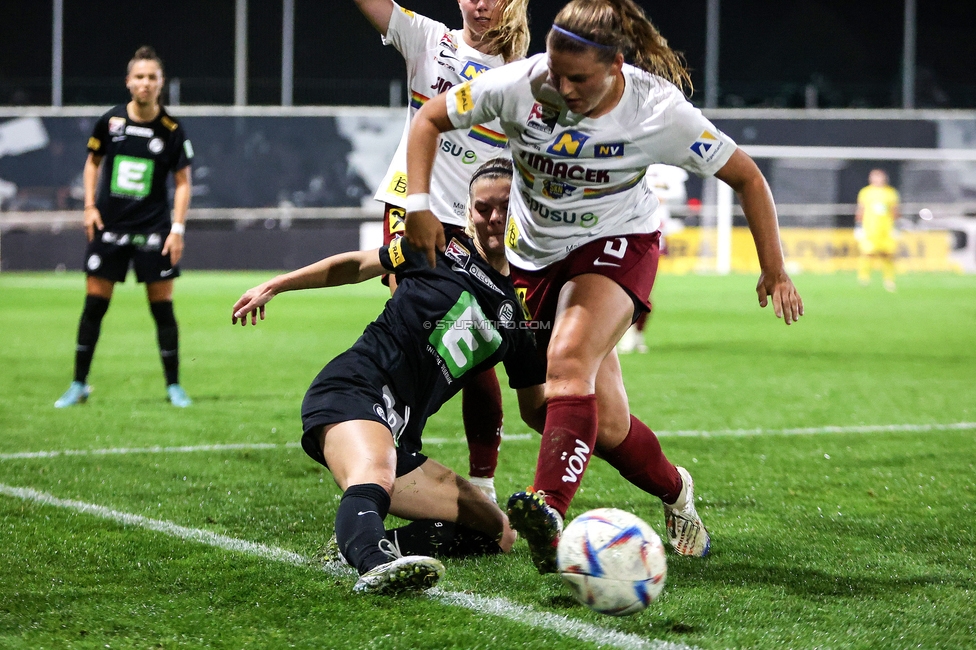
<point>612,561</point>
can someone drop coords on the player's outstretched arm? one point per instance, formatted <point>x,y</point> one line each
<point>532,406</point>
<point>344,268</point>
<point>377,12</point>
<point>422,229</point>
<point>743,176</point>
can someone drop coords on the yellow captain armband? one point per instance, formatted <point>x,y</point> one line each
<point>396,252</point>
<point>463,98</point>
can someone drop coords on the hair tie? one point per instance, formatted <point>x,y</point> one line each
<point>580,39</point>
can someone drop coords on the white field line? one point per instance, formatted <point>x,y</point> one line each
<point>498,607</point>
<point>518,437</point>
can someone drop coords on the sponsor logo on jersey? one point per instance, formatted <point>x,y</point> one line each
<point>441,85</point>
<point>132,177</point>
<point>609,150</point>
<point>520,293</point>
<point>486,135</point>
<point>448,40</point>
<point>506,311</point>
<point>168,123</point>
<point>463,98</point>
<point>553,189</point>
<point>483,278</point>
<point>109,237</point>
<point>512,234</point>
<point>398,184</point>
<point>467,156</point>
<point>464,337</point>
<point>597,192</point>
<point>395,250</point>
<point>116,125</point>
<point>542,117</point>
<point>457,252</point>
<point>569,143</point>
<point>472,70</point>
<point>417,100</point>
<point>94,144</point>
<point>140,131</point>
<point>156,145</point>
<point>707,146</point>
<point>584,219</point>
<point>559,169</point>
<point>396,216</point>
<point>188,149</point>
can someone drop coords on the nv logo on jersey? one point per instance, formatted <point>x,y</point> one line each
<point>706,146</point>
<point>569,143</point>
<point>609,150</point>
<point>464,337</point>
<point>472,70</point>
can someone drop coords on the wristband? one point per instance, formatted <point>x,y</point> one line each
<point>90,205</point>
<point>417,202</point>
<point>177,228</point>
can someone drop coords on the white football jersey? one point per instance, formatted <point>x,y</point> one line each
<point>437,59</point>
<point>579,178</point>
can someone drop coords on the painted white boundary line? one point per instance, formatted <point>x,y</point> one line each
<point>518,437</point>
<point>499,607</point>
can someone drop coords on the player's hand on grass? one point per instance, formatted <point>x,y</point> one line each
<point>252,302</point>
<point>173,247</point>
<point>93,222</point>
<point>787,303</point>
<point>425,233</point>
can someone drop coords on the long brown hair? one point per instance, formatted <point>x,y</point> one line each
<point>510,37</point>
<point>618,27</point>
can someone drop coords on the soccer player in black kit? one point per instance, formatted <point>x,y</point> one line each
<point>364,414</point>
<point>132,151</point>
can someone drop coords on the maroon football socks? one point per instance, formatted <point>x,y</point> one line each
<point>567,444</point>
<point>639,459</point>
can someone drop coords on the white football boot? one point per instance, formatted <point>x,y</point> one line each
<point>686,532</point>
<point>401,574</point>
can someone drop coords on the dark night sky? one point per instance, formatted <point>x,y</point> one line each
<point>771,49</point>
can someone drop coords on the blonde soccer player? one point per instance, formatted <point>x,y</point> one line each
<point>875,218</point>
<point>583,237</point>
<point>493,32</point>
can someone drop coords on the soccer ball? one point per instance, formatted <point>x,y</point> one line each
<point>612,561</point>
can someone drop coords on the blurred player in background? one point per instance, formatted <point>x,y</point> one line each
<point>877,213</point>
<point>493,32</point>
<point>364,414</point>
<point>668,184</point>
<point>583,237</point>
<point>127,218</point>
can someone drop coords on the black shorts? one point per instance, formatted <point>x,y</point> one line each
<point>351,387</point>
<point>110,254</point>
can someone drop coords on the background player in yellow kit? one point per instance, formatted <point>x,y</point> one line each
<point>877,211</point>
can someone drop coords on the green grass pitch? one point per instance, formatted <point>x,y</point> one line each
<point>846,538</point>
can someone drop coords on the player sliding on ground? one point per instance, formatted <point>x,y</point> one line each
<point>583,236</point>
<point>364,414</point>
<point>493,32</point>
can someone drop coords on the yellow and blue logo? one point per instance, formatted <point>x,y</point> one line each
<point>554,189</point>
<point>609,150</point>
<point>472,70</point>
<point>568,143</point>
<point>706,146</point>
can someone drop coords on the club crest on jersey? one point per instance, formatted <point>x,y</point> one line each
<point>156,145</point>
<point>707,146</point>
<point>553,189</point>
<point>472,70</point>
<point>457,252</point>
<point>542,118</point>
<point>609,150</point>
<point>116,125</point>
<point>569,143</point>
<point>506,311</point>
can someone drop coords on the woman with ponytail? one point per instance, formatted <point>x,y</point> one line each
<point>584,121</point>
<point>493,32</point>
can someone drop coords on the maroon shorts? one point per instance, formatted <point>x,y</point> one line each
<point>630,261</point>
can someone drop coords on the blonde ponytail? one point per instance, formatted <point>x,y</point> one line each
<point>510,37</point>
<point>611,27</point>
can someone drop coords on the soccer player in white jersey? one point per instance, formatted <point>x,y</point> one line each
<point>494,32</point>
<point>583,236</point>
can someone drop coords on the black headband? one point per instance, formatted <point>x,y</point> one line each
<point>494,169</point>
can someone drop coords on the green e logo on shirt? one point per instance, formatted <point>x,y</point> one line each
<point>132,177</point>
<point>464,337</point>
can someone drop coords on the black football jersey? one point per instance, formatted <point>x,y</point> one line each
<point>448,323</point>
<point>137,159</point>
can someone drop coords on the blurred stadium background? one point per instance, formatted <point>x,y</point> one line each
<point>295,109</point>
